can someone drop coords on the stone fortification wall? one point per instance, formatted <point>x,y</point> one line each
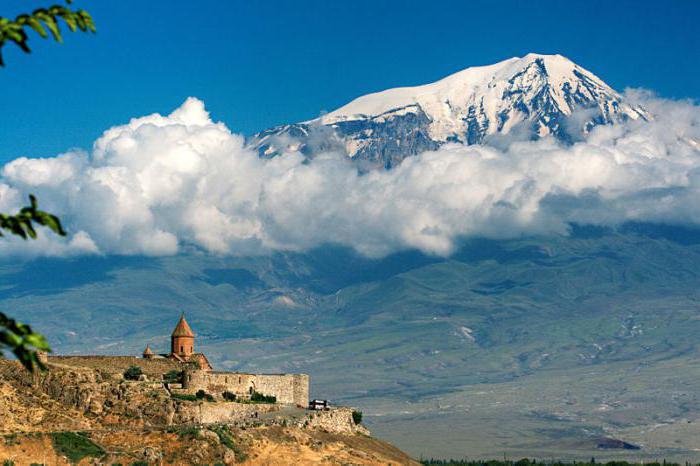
<point>290,389</point>
<point>218,413</point>
<point>154,368</point>
<point>337,420</point>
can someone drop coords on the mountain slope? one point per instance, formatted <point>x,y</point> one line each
<point>456,344</point>
<point>533,96</point>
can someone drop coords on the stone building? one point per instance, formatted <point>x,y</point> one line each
<point>292,389</point>
<point>198,373</point>
<point>181,347</point>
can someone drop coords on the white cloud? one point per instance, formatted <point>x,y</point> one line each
<point>159,183</point>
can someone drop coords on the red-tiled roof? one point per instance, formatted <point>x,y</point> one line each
<point>182,329</point>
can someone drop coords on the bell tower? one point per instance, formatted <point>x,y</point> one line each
<point>182,339</point>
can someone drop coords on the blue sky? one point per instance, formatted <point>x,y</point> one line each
<point>257,64</point>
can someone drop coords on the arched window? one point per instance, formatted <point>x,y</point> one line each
<point>182,349</point>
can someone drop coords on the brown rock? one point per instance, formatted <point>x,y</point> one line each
<point>152,455</point>
<point>209,436</point>
<point>229,457</point>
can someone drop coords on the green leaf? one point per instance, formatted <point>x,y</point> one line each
<point>37,340</point>
<point>22,223</point>
<point>70,21</point>
<point>23,342</point>
<point>81,22</point>
<point>50,23</point>
<point>40,20</point>
<point>88,20</point>
<point>36,25</point>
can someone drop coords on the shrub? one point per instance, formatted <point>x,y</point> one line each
<point>224,437</point>
<point>226,440</point>
<point>133,373</point>
<point>76,446</point>
<point>356,416</point>
<point>195,365</point>
<point>8,463</point>
<point>173,376</point>
<point>228,396</point>
<point>184,396</point>
<point>258,397</point>
<point>200,394</point>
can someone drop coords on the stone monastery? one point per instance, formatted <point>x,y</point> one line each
<point>182,348</point>
<point>197,371</point>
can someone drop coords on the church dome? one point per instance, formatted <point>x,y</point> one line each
<point>182,329</point>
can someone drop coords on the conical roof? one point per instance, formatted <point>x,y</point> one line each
<point>147,351</point>
<point>182,329</point>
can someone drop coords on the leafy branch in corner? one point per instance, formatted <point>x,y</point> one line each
<point>23,341</point>
<point>41,20</point>
<point>19,337</point>
<point>21,224</point>
<point>16,335</point>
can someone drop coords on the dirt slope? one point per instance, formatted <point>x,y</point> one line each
<point>259,446</point>
<point>62,423</point>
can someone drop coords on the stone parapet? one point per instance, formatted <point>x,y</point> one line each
<point>291,389</point>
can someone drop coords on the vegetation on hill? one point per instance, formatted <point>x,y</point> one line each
<point>133,373</point>
<point>357,417</point>
<point>76,446</point>
<point>184,397</point>
<point>257,397</point>
<point>202,395</point>
<point>173,376</point>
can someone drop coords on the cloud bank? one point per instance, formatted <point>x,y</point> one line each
<point>163,183</point>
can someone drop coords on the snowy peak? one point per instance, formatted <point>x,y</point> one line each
<point>535,93</point>
<point>495,98</point>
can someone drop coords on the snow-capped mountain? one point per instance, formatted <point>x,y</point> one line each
<point>535,95</point>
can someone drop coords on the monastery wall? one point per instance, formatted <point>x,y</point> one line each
<point>154,368</point>
<point>287,388</point>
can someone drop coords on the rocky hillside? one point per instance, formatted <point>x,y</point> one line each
<point>73,415</point>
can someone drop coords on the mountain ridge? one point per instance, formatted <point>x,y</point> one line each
<point>534,96</point>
